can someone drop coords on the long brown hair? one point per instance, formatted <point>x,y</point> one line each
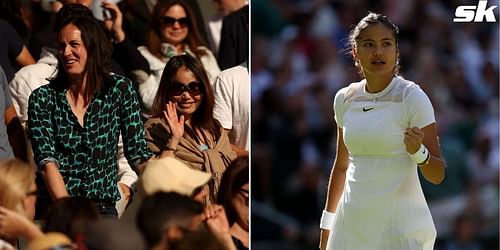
<point>99,50</point>
<point>203,116</point>
<point>193,39</point>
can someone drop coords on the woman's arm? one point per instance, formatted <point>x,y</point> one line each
<point>336,182</point>
<point>176,125</point>
<point>131,125</point>
<point>433,171</point>
<point>54,181</point>
<point>41,131</point>
<point>24,58</point>
<point>239,151</point>
<point>15,131</point>
<point>17,225</point>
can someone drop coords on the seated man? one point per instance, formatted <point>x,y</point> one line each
<point>164,217</point>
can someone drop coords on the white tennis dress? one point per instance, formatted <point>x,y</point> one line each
<point>382,206</point>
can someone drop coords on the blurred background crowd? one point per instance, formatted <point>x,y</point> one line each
<point>299,60</point>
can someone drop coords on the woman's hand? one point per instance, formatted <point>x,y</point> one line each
<point>413,137</point>
<point>113,23</point>
<point>127,193</point>
<point>215,219</point>
<point>13,224</point>
<point>175,123</point>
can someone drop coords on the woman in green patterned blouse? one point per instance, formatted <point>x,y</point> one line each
<point>75,121</point>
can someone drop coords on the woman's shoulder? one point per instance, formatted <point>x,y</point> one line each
<point>205,49</point>
<point>408,87</point>
<point>45,90</point>
<point>120,82</point>
<point>351,90</point>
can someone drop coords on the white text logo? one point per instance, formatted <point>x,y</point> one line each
<point>469,13</point>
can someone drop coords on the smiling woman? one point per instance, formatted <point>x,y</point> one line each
<point>183,125</point>
<point>75,121</point>
<point>172,31</point>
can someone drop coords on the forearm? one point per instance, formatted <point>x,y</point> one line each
<point>335,190</point>
<point>170,148</point>
<point>434,170</point>
<point>239,151</point>
<point>54,181</point>
<point>335,187</point>
<point>226,241</point>
<point>31,231</point>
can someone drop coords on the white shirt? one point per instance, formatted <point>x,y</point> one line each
<point>232,97</point>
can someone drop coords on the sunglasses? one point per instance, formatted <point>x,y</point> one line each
<point>193,88</point>
<point>170,21</point>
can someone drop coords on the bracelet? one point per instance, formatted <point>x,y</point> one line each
<point>327,220</point>
<point>421,157</point>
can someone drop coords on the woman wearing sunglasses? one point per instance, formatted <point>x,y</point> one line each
<point>183,125</point>
<point>172,31</point>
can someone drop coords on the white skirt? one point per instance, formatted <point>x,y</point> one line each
<point>382,207</point>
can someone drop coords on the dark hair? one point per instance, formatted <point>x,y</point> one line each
<point>99,50</point>
<point>162,210</point>
<point>71,11</point>
<point>235,176</point>
<point>203,116</point>
<point>193,39</point>
<point>372,18</point>
<point>70,216</point>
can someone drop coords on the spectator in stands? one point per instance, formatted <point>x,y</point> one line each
<point>164,219</point>
<point>70,216</point>
<point>234,197</point>
<point>33,76</point>
<point>80,160</point>
<point>214,24</point>
<point>183,125</point>
<point>17,203</point>
<point>14,53</point>
<point>234,47</point>
<point>172,31</point>
<point>232,106</point>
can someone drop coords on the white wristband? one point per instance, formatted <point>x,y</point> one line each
<point>327,220</point>
<point>421,157</point>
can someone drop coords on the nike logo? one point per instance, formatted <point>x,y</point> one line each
<point>365,109</point>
